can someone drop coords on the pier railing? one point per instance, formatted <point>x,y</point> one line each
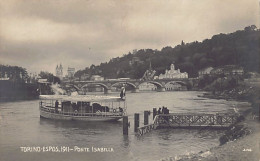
<point>190,120</point>
<point>145,129</point>
<point>194,120</point>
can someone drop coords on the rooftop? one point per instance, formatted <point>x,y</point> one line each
<point>87,98</point>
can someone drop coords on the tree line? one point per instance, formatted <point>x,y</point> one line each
<point>239,48</point>
<point>13,73</point>
<point>19,74</point>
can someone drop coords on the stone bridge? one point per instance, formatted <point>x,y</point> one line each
<point>133,83</point>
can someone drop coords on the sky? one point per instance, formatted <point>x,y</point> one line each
<point>39,34</point>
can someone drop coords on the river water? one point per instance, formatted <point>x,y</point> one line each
<point>21,126</point>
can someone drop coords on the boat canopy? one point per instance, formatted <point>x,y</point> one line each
<point>83,98</point>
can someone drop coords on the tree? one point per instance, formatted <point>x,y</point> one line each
<point>50,77</point>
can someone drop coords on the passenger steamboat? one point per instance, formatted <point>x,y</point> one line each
<point>82,107</point>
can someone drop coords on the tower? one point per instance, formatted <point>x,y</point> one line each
<point>59,71</point>
<point>172,67</point>
<point>149,74</point>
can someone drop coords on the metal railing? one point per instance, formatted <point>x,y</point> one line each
<point>189,120</point>
<point>145,129</point>
<point>51,109</point>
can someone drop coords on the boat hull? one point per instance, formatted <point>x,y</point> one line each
<point>57,116</point>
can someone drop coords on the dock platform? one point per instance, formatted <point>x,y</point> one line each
<point>189,120</point>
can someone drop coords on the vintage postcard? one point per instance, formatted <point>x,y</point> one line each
<point>129,80</point>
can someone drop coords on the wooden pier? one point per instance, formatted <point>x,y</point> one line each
<point>194,120</point>
<point>145,129</point>
<point>189,120</point>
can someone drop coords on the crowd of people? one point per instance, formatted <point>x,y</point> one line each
<point>163,110</point>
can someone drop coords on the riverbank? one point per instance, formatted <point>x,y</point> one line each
<point>239,143</point>
<point>245,148</point>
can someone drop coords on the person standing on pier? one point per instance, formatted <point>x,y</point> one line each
<point>159,111</point>
<point>163,110</point>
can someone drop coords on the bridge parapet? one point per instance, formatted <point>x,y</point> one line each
<point>134,83</point>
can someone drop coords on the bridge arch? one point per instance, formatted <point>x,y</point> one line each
<point>132,85</point>
<point>178,82</point>
<point>106,88</point>
<point>157,84</point>
<point>73,86</point>
<point>128,83</point>
<point>101,84</point>
<point>169,85</point>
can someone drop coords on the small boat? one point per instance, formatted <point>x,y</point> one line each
<point>82,107</point>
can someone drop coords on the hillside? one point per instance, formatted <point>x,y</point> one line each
<point>239,48</point>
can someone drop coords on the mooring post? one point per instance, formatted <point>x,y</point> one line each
<point>154,112</point>
<point>125,125</point>
<point>146,118</point>
<point>136,118</point>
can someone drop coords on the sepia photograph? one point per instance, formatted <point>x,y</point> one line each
<point>129,80</point>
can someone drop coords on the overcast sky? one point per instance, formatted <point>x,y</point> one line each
<point>39,34</point>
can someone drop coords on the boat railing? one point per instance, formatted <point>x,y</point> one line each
<point>50,109</point>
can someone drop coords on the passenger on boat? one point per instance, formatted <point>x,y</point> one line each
<point>66,106</point>
<point>122,93</point>
<point>56,106</point>
<point>105,109</point>
<point>120,110</point>
<point>96,107</point>
<point>74,106</point>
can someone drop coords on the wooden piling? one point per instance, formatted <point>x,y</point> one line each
<point>125,125</point>
<point>136,118</point>
<point>146,117</point>
<point>154,112</point>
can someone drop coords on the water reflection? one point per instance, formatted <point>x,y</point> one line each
<point>126,141</point>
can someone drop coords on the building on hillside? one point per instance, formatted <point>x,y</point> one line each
<point>85,76</point>
<point>4,76</point>
<point>172,73</point>
<point>228,70</point>
<point>71,72</point>
<point>96,78</point>
<point>233,70</point>
<point>59,71</point>
<point>205,71</point>
<point>40,80</point>
<point>135,60</point>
